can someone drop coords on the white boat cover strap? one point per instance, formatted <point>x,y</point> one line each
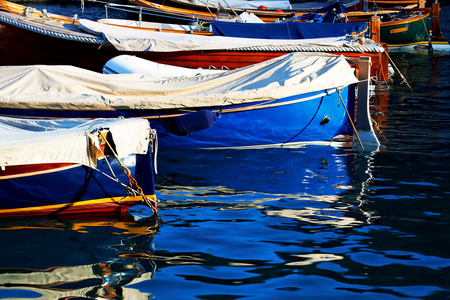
<point>31,141</point>
<point>130,39</point>
<point>68,87</point>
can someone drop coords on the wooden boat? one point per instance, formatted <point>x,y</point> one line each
<point>74,167</point>
<point>39,38</point>
<point>403,28</point>
<point>259,30</point>
<point>293,99</point>
<point>238,6</point>
<point>401,31</point>
<point>186,11</point>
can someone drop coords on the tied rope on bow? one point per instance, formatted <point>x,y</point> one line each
<point>132,188</point>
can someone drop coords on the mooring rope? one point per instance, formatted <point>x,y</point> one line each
<point>132,182</point>
<point>430,44</point>
<point>349,117</point>
<point>378,130</point>
<point>401,75</point>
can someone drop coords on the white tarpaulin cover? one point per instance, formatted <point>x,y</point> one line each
<point>254,4</point>
<point>131,39</point>
<point>68,87</point>
<point>28,141</point>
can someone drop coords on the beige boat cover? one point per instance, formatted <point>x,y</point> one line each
<point>68,87</point>
<point>31,141</point>
<point>245,4</point>
<point>132,39</point>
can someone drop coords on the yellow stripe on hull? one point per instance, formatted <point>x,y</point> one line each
<point>55,207</point>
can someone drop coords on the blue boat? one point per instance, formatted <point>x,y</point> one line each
<point>287,30</point>
<point>292,99</point>
<point>69,167</point>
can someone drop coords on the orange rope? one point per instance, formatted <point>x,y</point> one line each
<point>132,182</point>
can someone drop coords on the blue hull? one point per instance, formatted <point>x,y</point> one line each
<point>320,118</point>
<point>75,189</point>
<point>312,117</point>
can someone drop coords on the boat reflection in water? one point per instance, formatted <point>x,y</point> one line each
<point>288,196</point>
<point>284,182</point>
<point>223,206</point>
<point>54,259</point>
<point>285,197</point>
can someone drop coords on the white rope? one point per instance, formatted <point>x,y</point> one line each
<point>21,24</point>
<point>308,48</point>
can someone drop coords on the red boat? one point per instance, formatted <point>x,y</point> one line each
<point>32,37</point>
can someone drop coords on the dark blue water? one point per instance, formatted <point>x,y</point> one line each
<point>306,223</point>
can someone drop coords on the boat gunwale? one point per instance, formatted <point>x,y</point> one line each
<point>403,21</point>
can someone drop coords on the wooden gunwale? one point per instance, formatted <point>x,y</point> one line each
<point>404,21</point>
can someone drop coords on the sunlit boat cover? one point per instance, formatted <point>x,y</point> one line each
<point>288,30</point>
<point>254,4</point>
<point>28,141</point>
<point>71,88</point>
<point>132,39</point>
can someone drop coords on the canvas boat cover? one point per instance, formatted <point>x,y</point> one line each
<point>71,88</point>
<point>288,30</point>
<point>245,4</point>
<point>132,39</point>
<point>32,141</point>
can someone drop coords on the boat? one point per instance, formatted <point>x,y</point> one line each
<point>33,37</point>
<point>400,28</point>
<point>292,99</point>
<point>421,29</point>
<point>238,6</point>
<point>404,29</point>
<point>75,167</point>
<point>254,30</point>
<point>184,12</point>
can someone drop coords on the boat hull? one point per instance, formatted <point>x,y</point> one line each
<point>406,32</point>
<point>311,118</point>
<point>73,189</point>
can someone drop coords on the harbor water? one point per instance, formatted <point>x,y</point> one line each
<point>314,222</point>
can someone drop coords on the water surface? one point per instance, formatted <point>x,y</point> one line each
<point>306,223</point>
